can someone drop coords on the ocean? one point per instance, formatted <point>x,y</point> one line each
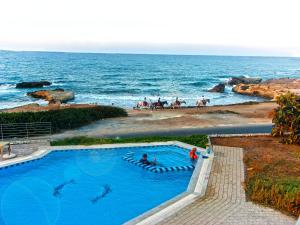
<point>125,79</point>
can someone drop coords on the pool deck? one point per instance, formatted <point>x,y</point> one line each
<point>224,201</point>
<point>26,149</point>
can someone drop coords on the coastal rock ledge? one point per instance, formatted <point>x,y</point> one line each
<point>53,96</point>
<point>34,84</point>
<point>218,88</point>
<point>270,88</point>
<point>244,80</point>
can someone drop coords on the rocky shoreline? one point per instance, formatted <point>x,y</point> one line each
<point>56,96</point>
<point>33,84</point>
<point>269,89</point>
<point>251,86</point>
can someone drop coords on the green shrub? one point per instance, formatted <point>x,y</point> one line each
<point>197,140</point>
<point>64,118</point>
<point>287,119</point>
<point>280,193</point>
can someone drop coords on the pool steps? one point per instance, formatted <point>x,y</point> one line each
<point>129,158</point>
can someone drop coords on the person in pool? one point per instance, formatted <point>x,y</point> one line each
<point>145,160</point>
<point>193,154</point>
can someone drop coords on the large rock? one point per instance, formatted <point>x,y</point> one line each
<point>269,89</point>
<point>218,88</point>
<point>53,96</point>
<point>244,80</point>
<point>33,84</point>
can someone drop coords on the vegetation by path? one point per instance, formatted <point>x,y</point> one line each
<point>272,171</point>
<point>197,140</point>
<point>64,119</point>
<point>287,119</point>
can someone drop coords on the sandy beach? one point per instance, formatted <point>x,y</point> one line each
<point>170,119</point>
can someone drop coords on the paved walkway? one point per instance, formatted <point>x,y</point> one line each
<point>225,202</point>
<point>27,149</point>
<point>92,130</point>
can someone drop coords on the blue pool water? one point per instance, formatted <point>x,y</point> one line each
<point>86,187</point>
<point>124,79</point>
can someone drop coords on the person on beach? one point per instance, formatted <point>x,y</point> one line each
<point>202,101</point>
<point>177,102</point>
<point>193,154</point>
<point>159,102</point>
<point>145,103</point>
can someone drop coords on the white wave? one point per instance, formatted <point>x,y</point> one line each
<point>294,69</point>
<point>226,80</point>
<point>55,84</point>
<point>128,101</point>
<point>8,88</point>
<point>8,105</point>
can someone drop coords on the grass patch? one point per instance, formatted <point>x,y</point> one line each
<point>64,118</point>
<point>278,192</point>
<point>197,140</point>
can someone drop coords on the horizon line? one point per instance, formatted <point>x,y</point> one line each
<point>146,53</point>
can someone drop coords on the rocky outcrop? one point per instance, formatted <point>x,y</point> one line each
<point>34,84</point>
<point>244,80</point>
<point>218,88</point>
<point>53,96</point>
<point>269,89</point>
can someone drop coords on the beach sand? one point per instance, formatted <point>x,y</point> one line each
<point>170,119</point>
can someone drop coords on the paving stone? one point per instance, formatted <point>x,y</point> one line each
<point>27,149</point>
<point>225,201</point>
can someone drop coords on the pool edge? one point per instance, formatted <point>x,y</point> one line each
<point>196,188</point>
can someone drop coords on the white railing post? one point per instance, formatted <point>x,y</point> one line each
<point>1,132</point>
<point>27,131</point>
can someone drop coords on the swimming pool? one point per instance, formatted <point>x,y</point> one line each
<point>88,186</point>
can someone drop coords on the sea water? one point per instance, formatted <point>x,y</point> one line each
<point>125,79</point>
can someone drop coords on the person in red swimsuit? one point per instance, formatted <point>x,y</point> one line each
<point>193,154</point>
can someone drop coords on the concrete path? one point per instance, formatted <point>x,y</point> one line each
<point>225,202</point>
<point>27,149</point>
<point>234,129</point>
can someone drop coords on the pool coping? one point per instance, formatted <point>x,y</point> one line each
<point>196,188</point>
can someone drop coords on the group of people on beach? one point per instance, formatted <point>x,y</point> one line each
<point>202,101</point>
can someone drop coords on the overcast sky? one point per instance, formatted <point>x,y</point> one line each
<point>230,27</point>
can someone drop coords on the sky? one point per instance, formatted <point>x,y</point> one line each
<point>218,27</point>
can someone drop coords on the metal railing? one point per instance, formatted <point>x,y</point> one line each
<point>15,131</point>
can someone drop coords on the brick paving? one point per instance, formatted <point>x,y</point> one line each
<point>27,149</point>
<point>225,201</point>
